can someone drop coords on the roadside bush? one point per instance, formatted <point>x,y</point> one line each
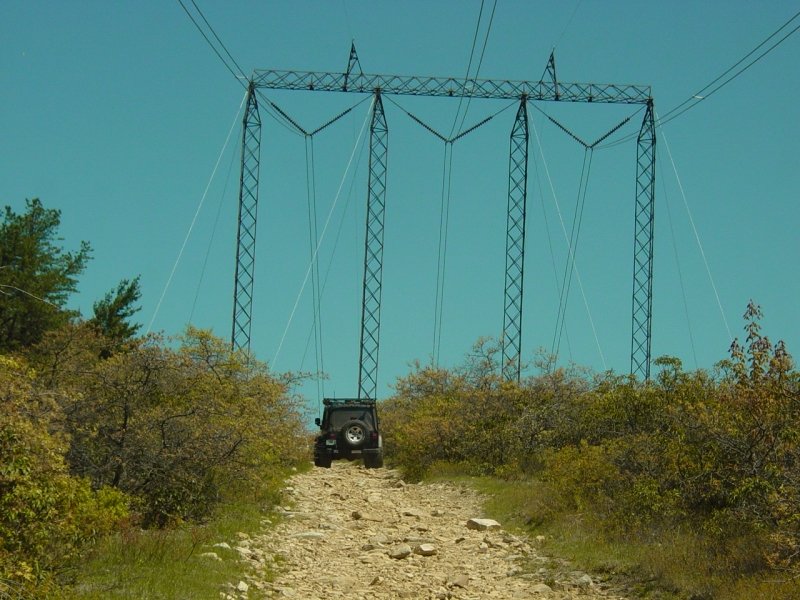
<point>175,429</point>
<point>47,516</point>
<point>714,454</point>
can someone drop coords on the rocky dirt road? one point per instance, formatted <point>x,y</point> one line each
<point>349,532</point>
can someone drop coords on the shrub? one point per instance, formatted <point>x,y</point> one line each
<point>174,428</point>
<point>46,515</point>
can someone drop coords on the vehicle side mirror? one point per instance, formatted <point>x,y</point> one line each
<point>317,422</point>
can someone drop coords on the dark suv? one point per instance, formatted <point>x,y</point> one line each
<point>348,428</point>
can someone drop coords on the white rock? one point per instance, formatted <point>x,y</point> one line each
<point>482,524</point>
<point>542,588</point>
<point>461,581</point>
<point>425,550</point>
<point>242,587</point>
<point>222,545</point>
<point>308,535</point>
<point>211,555</point>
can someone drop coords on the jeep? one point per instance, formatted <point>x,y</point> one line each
<point>348,429</point>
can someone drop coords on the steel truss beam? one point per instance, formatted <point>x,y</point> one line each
<point>642,312</point>
<point>515,244</point>
<point>547,89</point>
<point>246,235</point>
<point>449,86</point>
<point>373,253</point>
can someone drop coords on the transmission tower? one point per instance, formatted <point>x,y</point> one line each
<point>547,89</point>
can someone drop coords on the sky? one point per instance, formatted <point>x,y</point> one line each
<point>117,114</point>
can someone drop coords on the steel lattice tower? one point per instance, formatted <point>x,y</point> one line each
<point>373,253</point>
<point>547,89</point>
<point>515,244</point>
<point>642,312</point>
<point>246,232</point>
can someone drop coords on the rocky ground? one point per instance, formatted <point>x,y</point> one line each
<point>349,532</point>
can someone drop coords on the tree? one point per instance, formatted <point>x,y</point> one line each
<point>112,314</point>
<point>36,275</point>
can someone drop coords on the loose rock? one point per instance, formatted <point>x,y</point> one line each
<point>482,524</point>
<point>365,534</point>
<point>400,551</point>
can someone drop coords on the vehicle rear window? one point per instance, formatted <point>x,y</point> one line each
<point>340,417</point>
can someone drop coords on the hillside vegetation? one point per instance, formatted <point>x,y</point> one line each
<point>105,433</point>
<point>698,472</point>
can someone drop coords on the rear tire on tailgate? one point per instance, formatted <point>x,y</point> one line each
<point>355,433</point>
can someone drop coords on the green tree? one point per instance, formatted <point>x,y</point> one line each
<point>36,275</point>
<point>112,314</point>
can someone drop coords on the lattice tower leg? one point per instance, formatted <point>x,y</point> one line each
<point>246,235</point>
<point>373,253</point>
<point>515,244</point>
<point>643,247</point>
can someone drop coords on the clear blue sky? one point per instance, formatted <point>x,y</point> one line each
<point>115,113</point>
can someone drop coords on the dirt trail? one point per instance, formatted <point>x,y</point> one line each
<point>365,534</point>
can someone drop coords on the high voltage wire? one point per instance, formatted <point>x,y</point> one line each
<point>702,94</point>
<point>698,97</point>
<point>202,16</point>
<point>322,235</point>
<point>480,63</point>
<point>196,214</point>
<point>447,172</point>
<point>469,66</point>
<point>211,44</point>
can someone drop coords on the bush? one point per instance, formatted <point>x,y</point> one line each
<point>715,454</point>
<point>47,516</point>
<point>172,428</point>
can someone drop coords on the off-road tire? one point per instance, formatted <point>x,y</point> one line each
<point>355,434</point>
<point>323,460</point>
<point>373,461</point>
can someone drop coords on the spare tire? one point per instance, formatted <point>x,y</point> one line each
<point>355,433</point>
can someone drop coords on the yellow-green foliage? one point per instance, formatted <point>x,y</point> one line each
<point>718,455</point>
<point>46,515</point>
<point>174,428</point>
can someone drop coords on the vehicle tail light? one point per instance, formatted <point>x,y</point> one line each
<point>332,436</point>
<point>374,436</point>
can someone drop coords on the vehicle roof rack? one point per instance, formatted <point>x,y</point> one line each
<point>337,401</point>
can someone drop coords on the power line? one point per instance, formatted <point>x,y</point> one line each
<point>697,236</point>
<point>569,247</point>
<point>569,22</point>
<point>699,96</point>
<point>678,263</point>
<point>211,239</point>
<point>469,66</point>
<point>27,293</point>
<point>211,44</point>
<point>322,235</point>
<point>480,62</point>
<point>221,43</point>
<point>196,214</point>
<point>702,94</point>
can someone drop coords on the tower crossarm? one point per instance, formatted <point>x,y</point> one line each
<point>416,85</point>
